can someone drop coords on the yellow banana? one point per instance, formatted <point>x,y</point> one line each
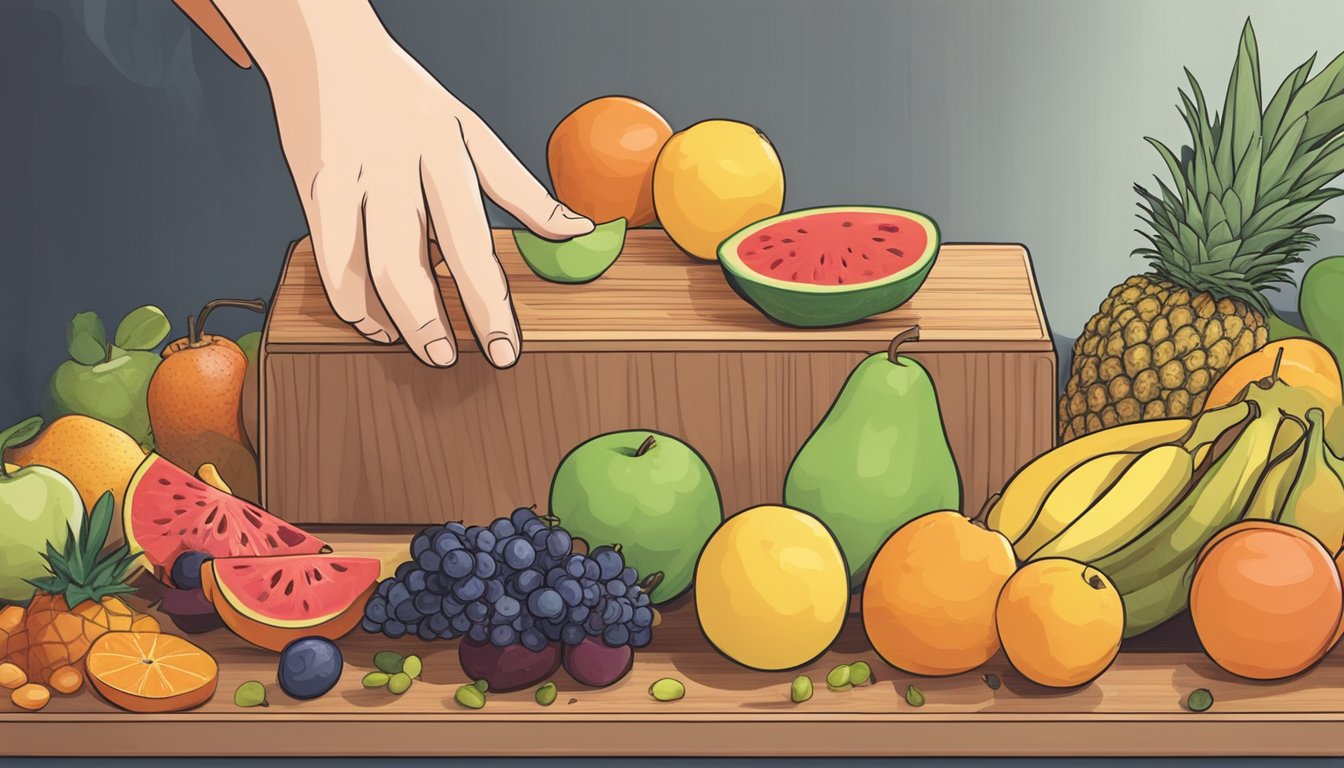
<point>1211,424</point>
<point>1071,497</point>
<point>1024,494</point>
<point>1315,502</point>
<point>1145,492</point>
<point>1268,499</point>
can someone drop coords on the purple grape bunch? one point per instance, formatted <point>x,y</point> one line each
<point>515,581</point>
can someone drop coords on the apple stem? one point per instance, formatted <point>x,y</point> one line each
<point>645,446</point>
<point>196,324</point>
<point>651,583</point>
<point>909,334</point>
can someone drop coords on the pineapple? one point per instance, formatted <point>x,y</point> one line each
<point>76,603</point>
<point>1247,189</point>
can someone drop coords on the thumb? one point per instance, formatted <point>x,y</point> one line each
<point>560,223</point>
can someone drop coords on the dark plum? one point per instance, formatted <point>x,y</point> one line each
<point>508,668</point>
<point>190,611</point>
<point>186,571</point>
<point>309,667</point>
<point>594,663</point>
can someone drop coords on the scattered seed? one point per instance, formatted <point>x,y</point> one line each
<point>1199,700</point>
<point>375,680</point>
<point>12,676</point>
<point>470,697</point>
<point>545,695</point>
<point>388,661</point>
<point>913,696</point>
<point>573,701</point>
<point>992,680</point>
<point>482,685</point>
<point>412,666</point>
<point>30,696</point>
<point>250,694</point>
<point>399,683</point>
<point>667,689</point>
<point>801,690</point>
<point>860,673</point>
<point>67,679</point>
<point>838,679</point>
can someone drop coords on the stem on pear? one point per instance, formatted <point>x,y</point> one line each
<point>909,334</point>
<point>196,324</point>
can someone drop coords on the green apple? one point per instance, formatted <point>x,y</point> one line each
<point>578,260</point>
<point>38,508</point>
<point>646,491</point>
<point>109,382</point>
<point>249,342</point>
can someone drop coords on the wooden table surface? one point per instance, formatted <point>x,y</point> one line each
<point>979,297</point>
<point>1135,708</point>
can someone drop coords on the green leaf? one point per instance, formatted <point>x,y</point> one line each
<point>1315,90</point>
<point>20,433</point>
<point>1241,113</point>
<point>142,329</point>
<point>1281,155</point>
<point>1246,183</point>
<point>1274,111</point>
<point>1174,166</point>
<point>86,339</point>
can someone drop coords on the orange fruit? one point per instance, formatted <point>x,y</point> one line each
<point>601,159</point>
<point>151,671</point>
<point>1060,622</point>
<point>1266,600</point>
<point>1306,365</point>
<point>95,457</point>
<point>928,603</point>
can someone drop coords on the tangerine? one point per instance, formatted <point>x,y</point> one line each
<point>601,159</point>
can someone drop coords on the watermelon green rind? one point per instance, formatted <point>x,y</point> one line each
<point>326,598</point>
<point>816,306</point>
<point>154,526</point>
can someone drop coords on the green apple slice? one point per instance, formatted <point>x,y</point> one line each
<point>578,260</point>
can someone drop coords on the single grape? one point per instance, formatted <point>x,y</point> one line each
<point>434,583</point>
<point>592,595</point>
<point>445,542</point>
<point>427,603</point>
<point>415,580</point>
<point>398,594</point>
<point>540,537</point>
<point>643,616</point>
<point>545,603</point>
<point>420,543</point>
<point>412,629</point>
<point>629,576</point>
<point>394,629</point>
<point>554,575</point>
<point>559,543</point>
<point>485,541</point>
<point>531,526</point>
<point>609,562</point>
<point>404,570</point>
<point>642,598</point>
<point>406,612</point>
<point>485,565</point>
<point>526,620</point>
<point>641,637</point>
<point>616,588</point>
<point>570,591</point>
<point>572,634</point>
<point>591,571</point>
<point>527,581</point>
<point>461,623</point>
<point>503,635</point>
<point>376,609</point>
<point>495,618</point>
<point>552,630</point>
<point>616,635</point>
<point>439,622</point>
<point>594,625</point>
<point>385,586</point>
<point>518,553</point>
<point>520,516</point>
<point>429,560</point>
<point>574,566</point>
<point>371,626</point>
<point>533,639</point>
<point>627,612</point>
<point>426,631</point>
<point>611,612</point>
<point>450,607</point>
<point>477,633</point>
<point>507,607</point>
<point>470,588</point>
<point>477,611</point>
<point>469,538</point>
<point>457,564</point>
<point>494,589</point>
<point>578,614</point>
<point>455,527</point>
<point>502,528</point>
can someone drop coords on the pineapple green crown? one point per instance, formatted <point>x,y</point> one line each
<point>1248,186</point>
<point>83,571</point>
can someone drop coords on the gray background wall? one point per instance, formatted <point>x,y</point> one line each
<point>138,165</point>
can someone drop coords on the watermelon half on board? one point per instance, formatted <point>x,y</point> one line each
<point>168,512</point>
<point>831,266</point>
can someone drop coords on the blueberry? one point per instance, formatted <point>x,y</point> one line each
<point>545,603</point>
<point>503,635</point>
<point>427,603</point>
<point>457,564</point>
<point>518,553</point>
<point>616,635</point>
<point>533,640</point>
<point>502,528</point>
<point>416,580</point>
<point>186,572</point>
<point>376,609</point>
<point>429,560</point>
<point>485,565</point>
<point>559,543</point>
<point>394,629</point>
<point>572,634</point>
<point>507,607</point>
<point>470,588</point>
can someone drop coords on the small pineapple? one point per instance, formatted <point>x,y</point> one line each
<point>76,604</point>
<point>1246,192</point>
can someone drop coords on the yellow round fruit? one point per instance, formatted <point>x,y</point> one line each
<point>713,179</point>
<point>928,602</point>
<point>1060,622</point>
<point>96,457</point>
<point>771,588</point>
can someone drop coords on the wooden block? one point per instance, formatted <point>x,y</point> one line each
<point>354,432</point>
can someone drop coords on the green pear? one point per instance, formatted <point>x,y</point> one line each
<point>1321,302</point>
<point>646,491</point>
<point>38,508</point>
<point>578,260</point>
<point>878,459</point>
<point>109,381</point>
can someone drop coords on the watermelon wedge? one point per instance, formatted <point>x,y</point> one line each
<point>831,266</point>
<point>168,512</point>
<point>271,601</point>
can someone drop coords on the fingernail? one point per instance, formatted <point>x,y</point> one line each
<point>440,352</point>
<point>501,352</point>
<point>381,337</point>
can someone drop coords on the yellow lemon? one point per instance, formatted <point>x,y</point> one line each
<point>771,588</point>
<point>1060,622</point>
<point>713,179</point>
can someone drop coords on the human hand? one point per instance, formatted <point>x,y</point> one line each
<point>384,159</point>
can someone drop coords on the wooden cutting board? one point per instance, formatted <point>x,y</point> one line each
<point>354,432</point>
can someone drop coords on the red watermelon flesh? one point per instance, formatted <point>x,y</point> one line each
<point>834,248</point>
<point>168,512</point>
<point>294,590</point>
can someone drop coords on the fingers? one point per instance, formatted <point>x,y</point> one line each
<point>453,198</point>
<point>338,242</point>
<point>395,236</point>
<point>508,182</point>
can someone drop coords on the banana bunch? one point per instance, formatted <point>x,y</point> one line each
<point>1139,501</point>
